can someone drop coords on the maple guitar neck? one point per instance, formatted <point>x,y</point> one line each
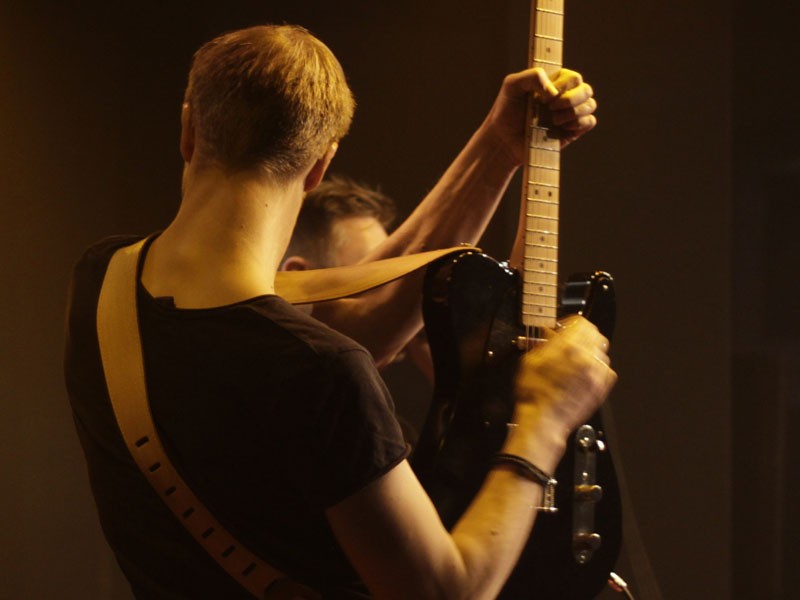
<point>541,177</point>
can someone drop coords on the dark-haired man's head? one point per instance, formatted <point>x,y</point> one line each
<point>340,222</point>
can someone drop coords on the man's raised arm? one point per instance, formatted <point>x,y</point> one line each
<point>460,205</point>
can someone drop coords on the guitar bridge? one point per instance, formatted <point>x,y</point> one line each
<point>586,494</point>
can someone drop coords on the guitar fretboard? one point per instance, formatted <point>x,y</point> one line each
<point>541,177</point>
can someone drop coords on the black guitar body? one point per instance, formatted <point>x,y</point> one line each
<point>471,309</point>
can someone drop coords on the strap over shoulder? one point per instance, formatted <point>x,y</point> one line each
<point>319,285</point>
<point>123,366</point>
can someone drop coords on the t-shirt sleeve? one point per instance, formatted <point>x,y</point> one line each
<point>356,437</point>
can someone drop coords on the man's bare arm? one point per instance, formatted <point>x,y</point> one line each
<point>390,530</point>
<point>460,205</point>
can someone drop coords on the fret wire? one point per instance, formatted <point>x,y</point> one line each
<point>542,184</point>
<point>535,268</point>
<point>539,158</point>
<point>527,270</point>
<point>543,167</point>
<point>547,62</point>
<point>536,263</point>
<point>541,264</point>
<point>547,179</point>
<point>532,262</point>
<point>544,149</point>
<point>540,303</point>
<point>541,201</point>
<point>551,282</point>
<point>538,321</point>
<point>543,294</point>
<point>548,37</point>
<point>551,304</point>
<point>542,307</point>
<point>550,11</point>
<point>544,231</point>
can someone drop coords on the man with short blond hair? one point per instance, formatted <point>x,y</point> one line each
<point>273,98</point>
<point>278,423</point>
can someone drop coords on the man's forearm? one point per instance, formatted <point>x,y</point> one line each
<point>460,205</point>
<point>457,210</point>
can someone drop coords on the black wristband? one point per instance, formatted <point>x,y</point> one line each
<point>528,470</point>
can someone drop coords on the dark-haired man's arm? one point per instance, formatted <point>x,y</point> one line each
<point>460,205</point>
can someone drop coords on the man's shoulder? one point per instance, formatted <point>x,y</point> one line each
<point>319,339</point>
<point>100,252</point>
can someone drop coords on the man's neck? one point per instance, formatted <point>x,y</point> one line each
<point>226,241</point>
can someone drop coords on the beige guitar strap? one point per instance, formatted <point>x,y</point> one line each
<point>123,365</point>
<point>319,285</point>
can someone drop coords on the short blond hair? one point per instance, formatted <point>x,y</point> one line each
<point>271,97</point>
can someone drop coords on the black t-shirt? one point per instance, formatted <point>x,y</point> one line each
<point>270,417</point>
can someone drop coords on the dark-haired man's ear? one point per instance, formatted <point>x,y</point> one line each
<point>187,133</point>
<point>317,172</point>
<point>295,263</point>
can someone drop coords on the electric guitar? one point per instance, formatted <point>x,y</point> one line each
<point>480,316</point>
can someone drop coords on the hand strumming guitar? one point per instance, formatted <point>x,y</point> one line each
<point>560,384</point>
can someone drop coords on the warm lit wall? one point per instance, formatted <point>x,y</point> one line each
<point>89,100</point>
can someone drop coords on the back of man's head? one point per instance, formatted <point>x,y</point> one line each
<point>335,199</point>
<point>271,97</point>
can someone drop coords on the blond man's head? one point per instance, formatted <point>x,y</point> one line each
<point>271,97</point>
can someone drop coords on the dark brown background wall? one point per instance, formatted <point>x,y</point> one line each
<point>89,105</point>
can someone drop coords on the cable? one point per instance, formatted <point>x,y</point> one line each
<point>618,584</point>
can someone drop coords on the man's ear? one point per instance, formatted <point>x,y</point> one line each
<point>295,263</point>
<point>187,133</point>
<point>317,172</point>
